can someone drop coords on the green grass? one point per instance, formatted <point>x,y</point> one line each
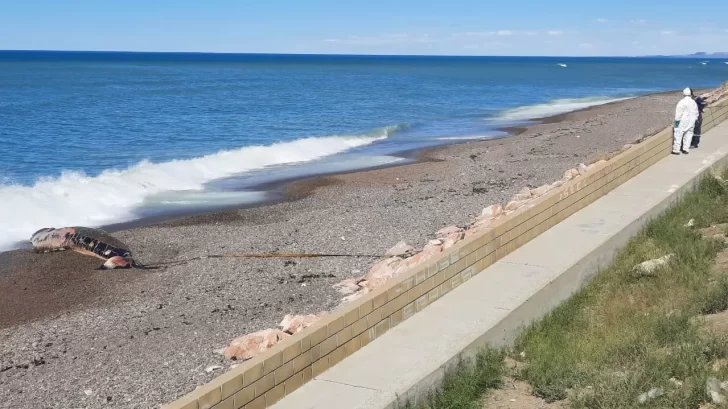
<point>622,334</point>
<point>463,387</point>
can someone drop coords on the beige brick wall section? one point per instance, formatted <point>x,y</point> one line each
<point>265,379</point>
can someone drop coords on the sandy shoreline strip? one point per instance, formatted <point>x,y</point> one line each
<point>137,338</point>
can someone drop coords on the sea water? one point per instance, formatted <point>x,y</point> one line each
<point>100,138</point>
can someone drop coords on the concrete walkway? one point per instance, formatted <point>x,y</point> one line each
<point>524,285</point>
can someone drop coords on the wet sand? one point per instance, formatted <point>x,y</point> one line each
<point>72,336</point>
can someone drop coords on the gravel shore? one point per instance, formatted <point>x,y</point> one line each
<point>75,337</point>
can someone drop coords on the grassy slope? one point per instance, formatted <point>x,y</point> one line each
<point>623,334</point>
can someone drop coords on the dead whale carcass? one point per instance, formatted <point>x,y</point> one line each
<point>91,242</point>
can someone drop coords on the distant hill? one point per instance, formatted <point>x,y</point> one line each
<point>703,55</point>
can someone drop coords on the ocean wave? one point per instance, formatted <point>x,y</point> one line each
<point>554,107</point>
<point>74,198</point>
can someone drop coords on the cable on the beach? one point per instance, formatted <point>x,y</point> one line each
<point>154,266</point>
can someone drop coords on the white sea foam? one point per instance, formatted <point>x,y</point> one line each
<point>555,107</point>
<point>112,196</point>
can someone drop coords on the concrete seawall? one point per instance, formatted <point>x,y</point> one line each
<point>430,316</point>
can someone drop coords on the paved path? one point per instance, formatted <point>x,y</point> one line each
<point>522,286</point>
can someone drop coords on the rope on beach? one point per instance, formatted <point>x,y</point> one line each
<point>285,255</point>
<point>252,255</point>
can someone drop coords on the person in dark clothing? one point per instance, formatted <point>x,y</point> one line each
<point>697,131</point>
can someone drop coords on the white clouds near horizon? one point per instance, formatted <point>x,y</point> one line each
<point>610,38</point>
<point>555,27</point>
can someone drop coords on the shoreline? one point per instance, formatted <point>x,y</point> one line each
<point>293,188</point>
<point>298,187</point>
<point>287,189</point>
<point>128,328</point>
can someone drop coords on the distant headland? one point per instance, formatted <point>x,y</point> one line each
<point>696,55</point>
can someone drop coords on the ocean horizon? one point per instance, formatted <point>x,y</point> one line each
<point>212,53</point>
<point>96,138</point>
<point>697,56</point>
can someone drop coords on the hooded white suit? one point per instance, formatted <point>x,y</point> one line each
<point>686,113</point>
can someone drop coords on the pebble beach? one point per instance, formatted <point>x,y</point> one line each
<point>73,336</point>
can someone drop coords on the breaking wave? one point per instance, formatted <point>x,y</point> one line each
<point>74,198</point>
<point>555,107</point>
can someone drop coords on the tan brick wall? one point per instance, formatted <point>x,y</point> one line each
<point>265,379</point>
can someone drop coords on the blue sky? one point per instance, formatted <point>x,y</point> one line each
<point>452,27</point>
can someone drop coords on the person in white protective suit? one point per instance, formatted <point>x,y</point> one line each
<point>686,113</point>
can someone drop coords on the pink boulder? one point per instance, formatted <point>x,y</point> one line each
<point>433,247</point>
<point>492,211</point>
<point>481,220</point>
<point>250,345</point>
<point>400,249</point>
<point>295,323</point>
<point>446,231</point>
<point>382,271</point>
<point>451,240</point>
<point>513,205</point>
<point>596,164</point>
<point>570,174</point>
<point>347,286</point>
<point>355,296</point>
<point>540,191</point>
<point>414,260</point>
<point>477,229</point>
<point>428,252</point>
